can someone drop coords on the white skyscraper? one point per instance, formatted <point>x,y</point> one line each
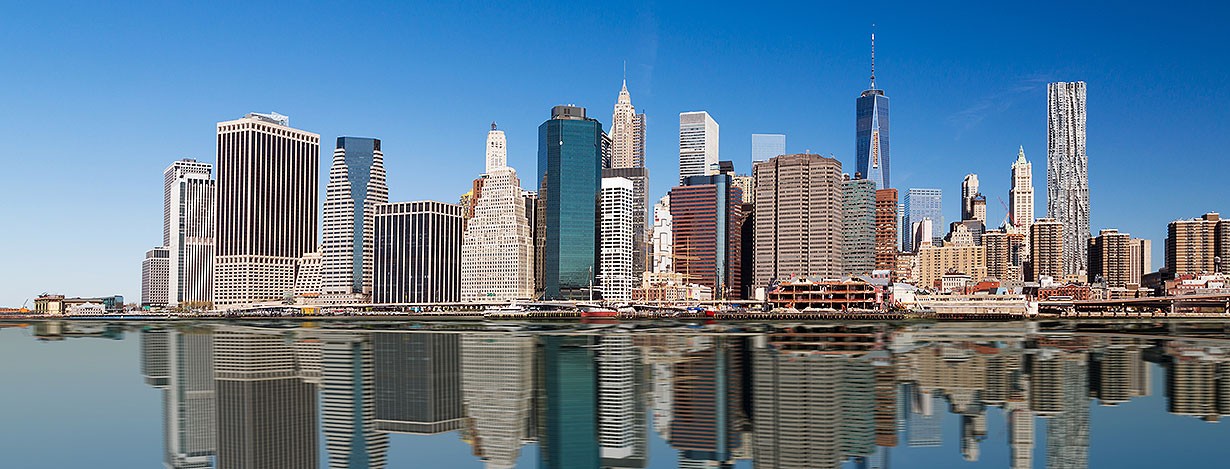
<point>155,277</point>
<point>765,146</point>
<point>268,186</point>
<point>1021,195</point>
<point>1067,171</point>
<point>497,249</point>
<point>662,237</point>
<point>188,232</point>
<point>698,144</point>
<point>969,189</point>
<point>356,185</point>
<point>627,133</point>
<point>616,248</point>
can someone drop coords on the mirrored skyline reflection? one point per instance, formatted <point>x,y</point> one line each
<point>821,395</point>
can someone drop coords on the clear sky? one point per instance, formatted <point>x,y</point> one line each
<point>97,98</point>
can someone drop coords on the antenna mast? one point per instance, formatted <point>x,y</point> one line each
<point>873,56</point>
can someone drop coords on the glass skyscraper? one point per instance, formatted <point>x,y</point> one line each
<point>765,146</point>
<point>920,204</point>
<point>570,149</point>
<point>871,138</point>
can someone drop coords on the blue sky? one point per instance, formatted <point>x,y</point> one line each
<point>97,99</point>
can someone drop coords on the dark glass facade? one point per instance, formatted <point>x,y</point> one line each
<point>706,213</point>
<point>571,398</point>
<point>871,142</point>
<point>570,153</point>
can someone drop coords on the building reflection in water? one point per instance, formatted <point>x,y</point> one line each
<point>803,396</point>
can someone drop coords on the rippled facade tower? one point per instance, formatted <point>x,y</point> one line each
<point>871,138</point>
<point>1067,171</point>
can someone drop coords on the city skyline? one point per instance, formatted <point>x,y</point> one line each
<point>984,120</point>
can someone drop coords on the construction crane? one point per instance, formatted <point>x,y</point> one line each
<point>1008,221</point>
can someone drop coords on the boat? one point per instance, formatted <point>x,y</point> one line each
<point>596,311</point>
<point>508,308</point>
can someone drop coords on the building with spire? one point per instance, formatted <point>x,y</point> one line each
<point>871,137</point>
<point>1067,171</point>
<point>356,185</point>
<point>1021,195</point>
<point>497,251</point>
<point>628,161</point>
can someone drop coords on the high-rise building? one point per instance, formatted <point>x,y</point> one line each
<point>1110,258</point>
<point>1021,195</point>
<point>1140,260</point>
<point>886,229</point>
<point>189,198</point>
<point>497,251</point>
<point>356,185</point>
<point>698,144</point>
<point>663,237</point>
<point>798,217</point>
<point>627,133</point>
<point>1067,170</point>
<point>765,146</point>
<point>348,402</point>
<point>418,382</point>
<point>1046,250</point>
<point>920,204</point>
<point>616,234</point>
<point>266,411</point>
<point>1003,255</point>
<point>969,189</point>
<point>1191,245</point>
<point>266,209</point>
<point>640,214</point>
<point>570,149</point>
<point>918,233</point>
<point>705,212</point>
<point>871,137</point>
<point>747,184</point>
<point>959,255</point>
<point>858,226</point>
<point>418,253</point>
<point>156,277</point>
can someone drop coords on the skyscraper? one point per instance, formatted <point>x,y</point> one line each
<point>969,189</point>
<point>798,217</point>
<point>1191,245</point>
<point>886,229</point>
<point>356,185</point>
<point>1046,250</point>
<point>155,277</point>
<point>418,253</point>
<point>871,137</point>
<point>704,214</point>
<point>698,144</point>
<point>1140,262</point>
<point>765,146</point>
<point>616,235</point>
<point>663,237</point>
<point>266,210</point>
<point>1067,170</point>
<point>640,214</point>
<point>570,149</point>
<point>627,133</point>
<point>920,204</point>
<point>497,253</point>
<point>858,226</point>
<point>1021,195</point>
<point>189,197</point>
<point>1110,258</point>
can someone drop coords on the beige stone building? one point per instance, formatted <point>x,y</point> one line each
<point>962,256</point>
<point>798,217</point>
<point>1192,245</point>
<point>1045,249</point>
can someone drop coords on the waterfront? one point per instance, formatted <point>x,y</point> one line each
<point>645,394</point>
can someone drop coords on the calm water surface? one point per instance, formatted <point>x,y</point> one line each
<point>372,394</point>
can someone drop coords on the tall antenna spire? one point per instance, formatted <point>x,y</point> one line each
<point>625,73</point>
<point>873,56</point>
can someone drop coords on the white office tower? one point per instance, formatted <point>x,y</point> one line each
<point>617,429</point>
<point>356,185</point>
<point>1067,171</point>
<point>155,277</point>
<point>662,238</point>
<point>348,400</point>
<point>698,144</point>
<point>497,249</point>
<point>615,239</point>
<point>1021,195</point>
<point>969,189</point>
<point>188,232</point>
<point>627,133</point>
<point>189,400</point>
<point>268,176</point>
<point>498,390</point>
